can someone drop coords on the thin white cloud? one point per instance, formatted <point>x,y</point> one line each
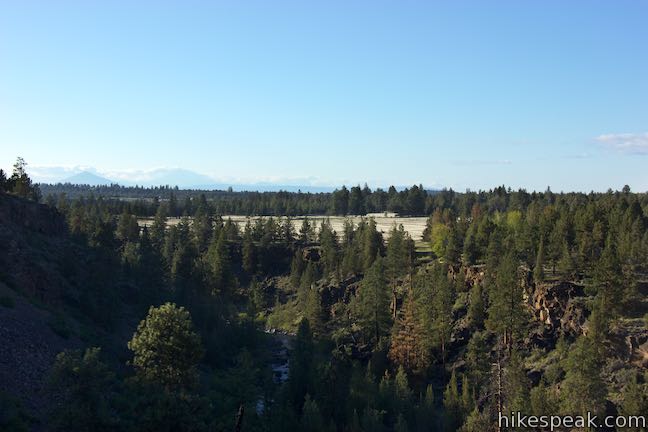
<point>633,143</point>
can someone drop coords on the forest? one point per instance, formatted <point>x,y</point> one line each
<point>534,302</point>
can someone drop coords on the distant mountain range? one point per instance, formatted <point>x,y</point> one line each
<point>183,178</point>
<point>86,177</point>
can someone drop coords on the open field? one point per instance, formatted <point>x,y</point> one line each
<point>384,222</point>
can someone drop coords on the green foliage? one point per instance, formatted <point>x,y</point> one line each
<point>372,303</point>
<point>452,404</point>
<point>538,270</point>
<point>20,184</point>
<point>82,384</point>
<point>506,313</point>
<point>583,389</point>
<point>165,347</point>
<point>476,308</point>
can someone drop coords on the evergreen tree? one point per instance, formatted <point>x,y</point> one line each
<point>406,348</point>
<point>506,313</point>
<point>165,347</point>
<point>4,183</point>
<point>158,228</point>
<point>517,384</point>
<point>314,311</point>
<point>301,365</point>
<point>538,270</point>
<point>452,405</point>
<point>476,308</point>
<point>127,228</point>
<point>634,401</point>
<point>218,259</point>
<point>566,264</point>
<point>20,183</point>
<point>297,267</point>
<point>372,303</point>
<point>341,201</point>
<point>583,390</point>
<point>329,248</point>
<point>249,253</point>
<point>608,278</point>
<point>371,244</point>
<point>356,202</point>
<point>477,359</point>
<point>82,385</point>
<point>442,301</point>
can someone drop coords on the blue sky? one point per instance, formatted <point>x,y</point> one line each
<point>458,94</point>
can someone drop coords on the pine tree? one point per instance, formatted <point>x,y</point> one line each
<point>371,244</point>
<point>634,401</point>
<point>476,308</point>
<point>608,278</point>
<point>4,183</point>
<point>218,259</point>
<point>583,390</point>
<point>406,344</point>
<point>467,402</point>
<point>297,267</point>
<point>82,384</point>
<point>127,228</point>
<point>566,264</point>
<point>538,270</point>
<point>517,384</point>
<point>301,360</point>
<point>452,404</point>
<point>356,202</point>
<point>477,359</point>
<point>372,303</point>
<point>314,311</point>
<point>442,302</point>
<point>306,231</point>
<point>470,248</point>
<point>166,348</point>
<point>329,248</point>
<point>20,182</point>
<point>506,313</point>
<point>398,260</point>
<point>158,228</point>
<point>249,254</point>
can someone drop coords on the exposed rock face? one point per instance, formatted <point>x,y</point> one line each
<point>560,307</point>
<point>629,342</point>
<point>343,291</point>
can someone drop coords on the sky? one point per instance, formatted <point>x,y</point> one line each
<point>448,94</point>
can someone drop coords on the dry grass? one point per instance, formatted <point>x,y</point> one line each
<point>384,222</point>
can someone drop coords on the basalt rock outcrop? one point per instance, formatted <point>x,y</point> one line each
<point>560,306</point>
